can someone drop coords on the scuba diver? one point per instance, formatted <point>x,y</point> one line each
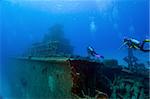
<point>92,53</point>
<point>135,44</point>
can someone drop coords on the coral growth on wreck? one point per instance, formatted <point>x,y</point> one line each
<point>109,79</point>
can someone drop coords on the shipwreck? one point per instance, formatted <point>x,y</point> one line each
<point>49,70</point>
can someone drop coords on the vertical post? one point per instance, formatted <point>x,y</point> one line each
<point>130,58</point>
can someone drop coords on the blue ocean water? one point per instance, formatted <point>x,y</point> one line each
<point>100,23</point>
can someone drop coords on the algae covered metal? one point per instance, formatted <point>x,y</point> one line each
<point>61,77</point>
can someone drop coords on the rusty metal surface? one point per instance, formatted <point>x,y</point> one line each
<point>72,78</point>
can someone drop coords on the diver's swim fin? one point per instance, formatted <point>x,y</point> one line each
<point>122,45</point>
<point>136,47</point>
<point>146,40</point>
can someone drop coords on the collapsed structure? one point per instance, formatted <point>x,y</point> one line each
<point>49,70</point>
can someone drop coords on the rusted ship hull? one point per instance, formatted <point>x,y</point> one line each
<point>73,78</point>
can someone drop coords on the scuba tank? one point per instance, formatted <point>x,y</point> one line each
<point>135,41</point>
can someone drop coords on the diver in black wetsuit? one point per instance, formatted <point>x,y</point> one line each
<point>142,46</point>
<point>133,43</point>
<point>91,52</point>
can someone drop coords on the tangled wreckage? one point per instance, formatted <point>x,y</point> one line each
<point>50,71</point>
